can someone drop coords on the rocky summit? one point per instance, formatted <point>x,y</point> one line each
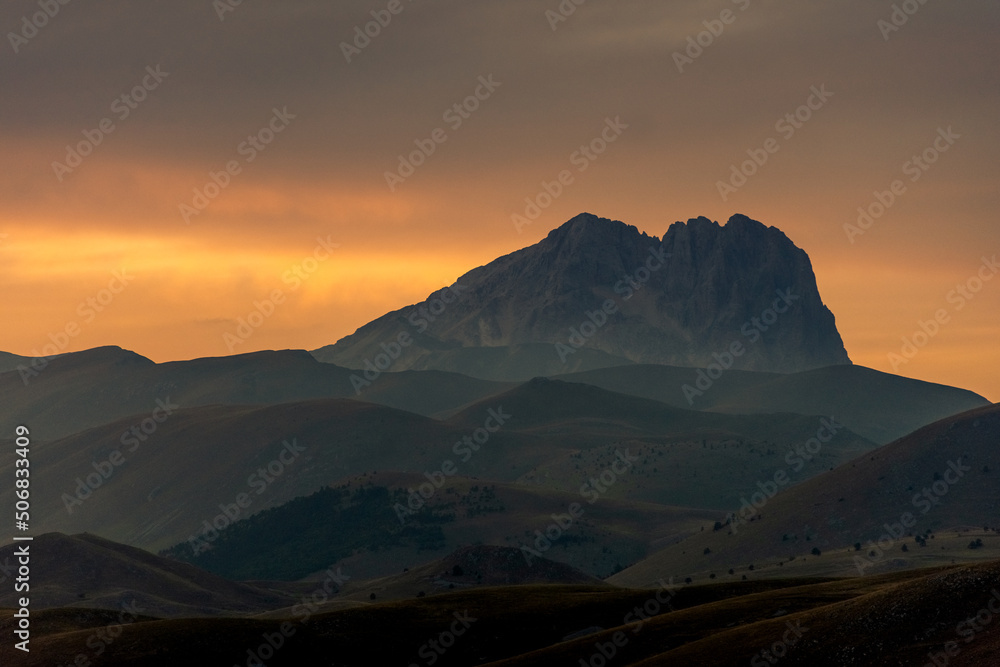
<point>597,292</point>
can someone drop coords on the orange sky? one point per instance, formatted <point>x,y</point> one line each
<point>323,175</point>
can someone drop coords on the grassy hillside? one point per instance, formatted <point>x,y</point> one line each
<point>876,405</point>
<point>894,619</point>
<point>908,488</point>
<point>357,525</point>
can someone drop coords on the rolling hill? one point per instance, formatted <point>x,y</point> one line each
<point>943,477</point>
<point>893,619</point>
<point>876,405</point>
<point>370,528</point>
<point>85,389</point>
<point>155,479</point>
<point>89,572</point>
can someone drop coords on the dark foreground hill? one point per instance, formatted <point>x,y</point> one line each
<point>897,619</point>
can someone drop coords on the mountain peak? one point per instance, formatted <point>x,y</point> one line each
<point>104,355</point>
<point>678,300</point>
<point>737,224</point>
<point>587,229</point>
<point>739,219</point>
<point>585,222</point>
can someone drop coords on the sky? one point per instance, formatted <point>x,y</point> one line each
<point>170,167</point>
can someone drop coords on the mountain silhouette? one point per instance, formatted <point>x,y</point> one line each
<point>597,293</point>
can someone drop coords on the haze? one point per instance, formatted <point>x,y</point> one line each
<point>929,86</point>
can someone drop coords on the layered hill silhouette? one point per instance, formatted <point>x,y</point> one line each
<point>678,300</point>
<point>89,388</point>
<point>879,406</point>
<point>154,488</point>
<point>519,453</point>
<point>89,572</point>
<point>941,478</point>
<point>371,528</point>
<point>85,389</point>
<point>469,567</point>
<point>155,479</point>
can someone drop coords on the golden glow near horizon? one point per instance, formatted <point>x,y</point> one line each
<point>907,134</point>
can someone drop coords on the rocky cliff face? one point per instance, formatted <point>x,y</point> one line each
<point>600,292</point>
